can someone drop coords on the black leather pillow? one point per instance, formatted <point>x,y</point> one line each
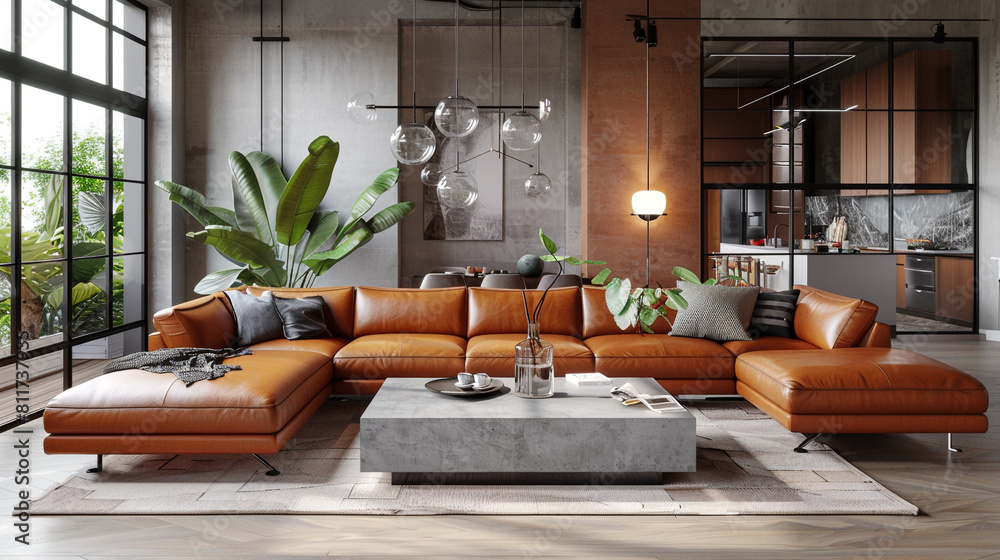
<point>302,317</point>
<point>773,314</point>
<point>256,320</point>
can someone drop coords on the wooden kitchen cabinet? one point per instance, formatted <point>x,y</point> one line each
<point>955,288</point>
<point>900,282</point>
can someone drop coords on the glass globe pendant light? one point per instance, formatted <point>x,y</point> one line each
<point>457,189</point>
<point>431,174</point>
<point>537,185</point>
<point>358,108</point>
<point>413,143</point>
<point>456,116</point>
<point>522,130</point>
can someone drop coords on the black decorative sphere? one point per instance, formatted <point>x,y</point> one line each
<point>529,266</point>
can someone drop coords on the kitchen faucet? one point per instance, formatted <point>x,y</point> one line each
<point>774,233</point>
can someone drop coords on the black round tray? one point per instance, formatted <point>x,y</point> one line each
<point>446,386</point>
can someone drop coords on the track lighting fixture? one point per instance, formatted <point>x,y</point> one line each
<point>651,34</point>
<point>938,32</point>
<point>638,32</point>
<point>577,21</point>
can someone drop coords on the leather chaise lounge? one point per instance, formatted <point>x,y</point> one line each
<point>838,376</point>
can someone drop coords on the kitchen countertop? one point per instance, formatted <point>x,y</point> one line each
<point>765,250</point>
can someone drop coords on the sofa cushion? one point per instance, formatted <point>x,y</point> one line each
<point>660,356</point>
<point>863,381</point>
<point>301,318</point>
<point>404,310</point>
<point>338,301</point>
<point>494,354</point>
<point>774,314</point>
<point>261,398</point>
<point>325,346</point>
<point>764,343</point>
<point>715,312</point>
<point>206,322</point>
<point>830,320</point>
<point>497,311</point>
<point>379,356</point>
<point>256,318</point>
<point>598,320</point>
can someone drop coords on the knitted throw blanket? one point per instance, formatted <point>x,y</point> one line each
<point>188,364</point>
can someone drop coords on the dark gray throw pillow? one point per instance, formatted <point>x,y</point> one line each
<point>302,317</point>
<point>256,320</point>
<point>773,315</point>
<point>715,312</point>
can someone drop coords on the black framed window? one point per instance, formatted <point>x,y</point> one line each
<point>72,191</point>
<point>879,136</point>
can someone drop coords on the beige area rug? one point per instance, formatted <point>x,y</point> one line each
<point>745,466</point>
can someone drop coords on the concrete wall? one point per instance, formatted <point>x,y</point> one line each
<point>335,50</point>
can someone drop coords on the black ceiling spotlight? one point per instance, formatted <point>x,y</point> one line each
<point>577,21</point>
<point>651,34</point>
<point>638,32</point>
<point>938,32</point>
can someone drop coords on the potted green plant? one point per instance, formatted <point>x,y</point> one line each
<point>274,233</point>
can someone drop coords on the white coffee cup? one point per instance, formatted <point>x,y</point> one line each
<point>482,381</point>
<point>466,379</point>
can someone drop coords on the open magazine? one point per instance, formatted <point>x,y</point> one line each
<point>628,395</point>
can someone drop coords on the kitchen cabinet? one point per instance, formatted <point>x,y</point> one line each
<point>900,282</point>
<point>955,289</point>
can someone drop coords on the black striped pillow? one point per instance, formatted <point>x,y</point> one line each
<point>773,314</point>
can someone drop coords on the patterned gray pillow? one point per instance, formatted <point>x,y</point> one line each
<point>715,312</point>
<point>256,319</point>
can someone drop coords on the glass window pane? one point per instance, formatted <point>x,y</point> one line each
<point>129,66</point>
<point>933,147</point>
<point>97,7</point>
<point>938,220</point>
<point>89,217</point>
<point>46,383</point>
<point>90,46</point>
<point>42,121</point>
<point>128,225</point>
<point>126,289</point>
<point>129,142</point>
<point>89,139</point>
<point>6,24</point>
<point>41,216</point>
<point>89,295</point>
<point>5,296</point>
<point>6,113</point>
<point>41,302</point>
<point>5,215</point>
<point>130,18</point>
<point>43,32</point>
<point>933,76</point>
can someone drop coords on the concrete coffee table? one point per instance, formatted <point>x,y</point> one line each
<point>580,435</point>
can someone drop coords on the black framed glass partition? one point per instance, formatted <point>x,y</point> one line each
<point>72,194</point>
<point>845,164</point>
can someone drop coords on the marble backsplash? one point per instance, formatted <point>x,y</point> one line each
<point>946,219</point>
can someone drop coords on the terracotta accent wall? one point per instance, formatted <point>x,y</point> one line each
<point>614,138</point>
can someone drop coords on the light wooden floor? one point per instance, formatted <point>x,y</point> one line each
<point>959,496</point>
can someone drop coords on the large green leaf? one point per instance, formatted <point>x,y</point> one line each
<point>305,190</point>
<point>686,275</point>
<point>367,199</point>
<point>243,247</point>
<point>549,245</point>
<point>196,205</point>
<point>247,196</point>
<point>218,281</point>
<point>388,217</point>
<point>93,212</point>
<point>628,316</point>
<point>616,294</point>
<point>321,229</point>
<point>53,205</point>
<point>271,180</point>
<point>601,277</point>
<point>647,316</point>
<point>321,262</point>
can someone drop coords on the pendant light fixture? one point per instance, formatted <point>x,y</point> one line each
<point>456,116</point>
<point>648,204</point>
<point>358,108</point>
<point>413,143</point>
<point>538,184</point>
<point>522,130</point>
<point>457,189</point>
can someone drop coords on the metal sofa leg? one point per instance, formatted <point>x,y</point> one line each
<point>100,465</point>
<point>273,471</point>
<point>951,447</point>
<point>802,446</point>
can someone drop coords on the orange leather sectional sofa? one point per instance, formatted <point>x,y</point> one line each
<point>839,375</point>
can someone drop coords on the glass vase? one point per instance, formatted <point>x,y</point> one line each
<point>534,375</point>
